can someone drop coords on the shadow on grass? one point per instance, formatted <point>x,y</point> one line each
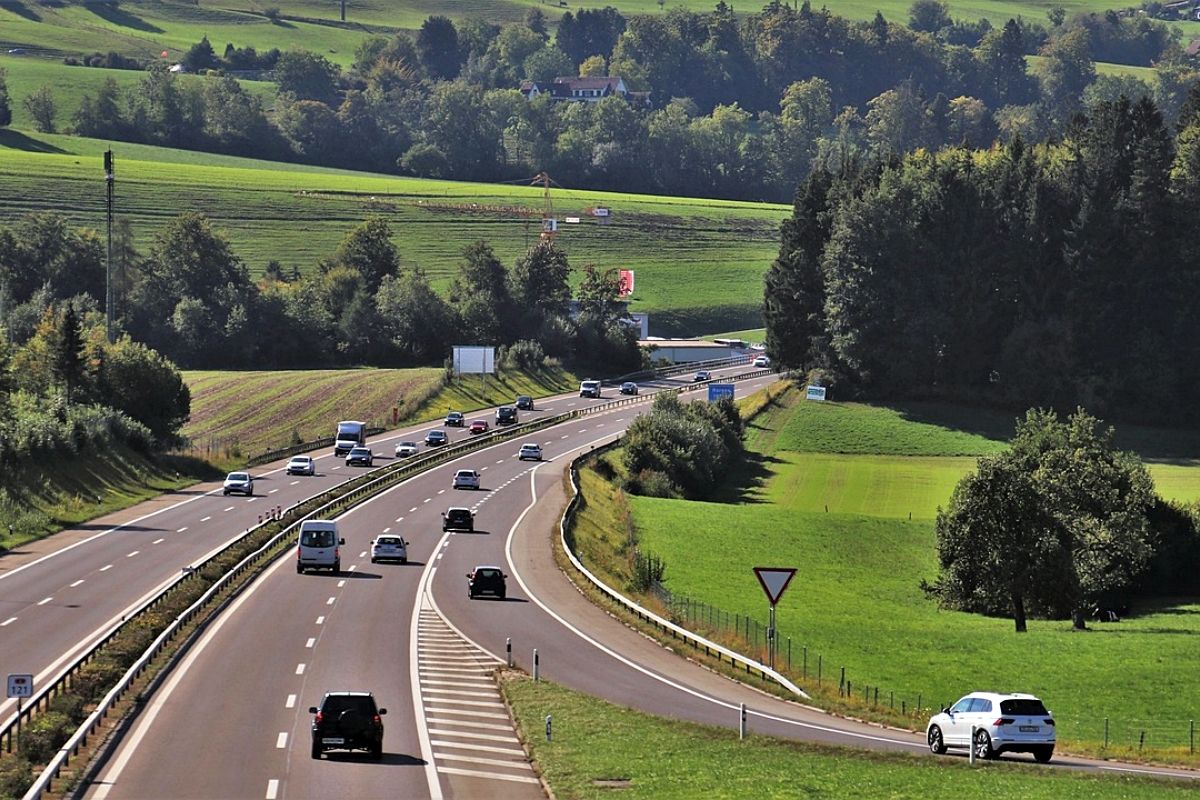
<point>990,423</point>
<point>188,465</point>
<point>16,140</point>
<point>115,14</point>
<point>747,476</point>
<point>21,10</point>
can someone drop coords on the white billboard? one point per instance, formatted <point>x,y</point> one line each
<point>474,360</point>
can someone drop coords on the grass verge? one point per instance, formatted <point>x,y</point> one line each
<point>599,750</point>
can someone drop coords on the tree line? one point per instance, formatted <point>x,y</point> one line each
<point>1021,276</point>
<point>191,299</point>
<point>742,107</point>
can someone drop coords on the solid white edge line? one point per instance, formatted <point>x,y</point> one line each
<point>414,678</point>
<point>660,678</point>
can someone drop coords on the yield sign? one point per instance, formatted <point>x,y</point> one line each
<point>774,580</point>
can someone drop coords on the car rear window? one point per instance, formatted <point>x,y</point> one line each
<point>487,573</point>
<point>1023,707</point>
<point>335,704</point>
<point>316,538</point>
<point>387,540</point>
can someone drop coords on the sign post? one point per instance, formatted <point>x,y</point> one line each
<point>774,581</point>
<point>19,686</point>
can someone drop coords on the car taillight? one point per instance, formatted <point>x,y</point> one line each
<point>298,549</point>
<point>1049,721</point>
<point>320,716</point>
<point>378,721</point>
<point>1003,721</point>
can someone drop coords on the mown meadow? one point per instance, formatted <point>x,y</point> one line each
<point>847,494</point>
<point>598,751</point>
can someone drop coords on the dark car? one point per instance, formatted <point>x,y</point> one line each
<point>347,721</point>
<point>458,519</point>
<point>455,419</point>
<point>434,438</point>
<point>506,415</point>
<point>486,580</point>
<point>524,403</point>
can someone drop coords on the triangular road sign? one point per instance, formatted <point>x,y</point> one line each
<point>774,580</point>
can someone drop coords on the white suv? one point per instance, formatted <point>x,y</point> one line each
<point>466,479</point>
<point>994,723</point>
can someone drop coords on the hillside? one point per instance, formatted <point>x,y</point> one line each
<point>698,262</point>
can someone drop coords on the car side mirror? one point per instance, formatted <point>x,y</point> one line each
<point>312,709</point>
<point>341,541</point>
<point>443,513</point>
<point>468,574</point>
<point>382,711</point>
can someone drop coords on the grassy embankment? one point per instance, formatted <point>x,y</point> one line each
<point>856,601</point>
<point>717,249</point>
<point>240,414</point>
<point>598,751</point>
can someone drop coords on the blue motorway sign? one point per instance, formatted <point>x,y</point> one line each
<point>717,391</point>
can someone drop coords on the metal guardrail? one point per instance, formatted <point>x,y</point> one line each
<point>391,475</point>
<point>301,447</point>
<point>695,640</point>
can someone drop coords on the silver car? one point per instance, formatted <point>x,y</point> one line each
<point>239,483</point>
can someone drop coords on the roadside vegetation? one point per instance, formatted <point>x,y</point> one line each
<point>857,601</point>
<point>599,749</point>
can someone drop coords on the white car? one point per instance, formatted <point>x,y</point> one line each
<point>389,547</point>
<point>466,479</point>
<point>405,449</point>
<point>239,483</point>
<point>994,723</point>
<point>702,375</point>
<point>530,451</point>
<point>762,361</point>
<point>302,465</point>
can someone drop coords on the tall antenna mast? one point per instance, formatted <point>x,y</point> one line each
<point>109,178</point>
<point>549,223</point>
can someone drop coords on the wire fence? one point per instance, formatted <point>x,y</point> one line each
<point>816,672</point>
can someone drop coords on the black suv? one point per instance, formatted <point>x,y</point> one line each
<point>506,415</point>
<point>486,580</point>
<point>347,721</point>
<point>458,519</point>
<point>524,403</point>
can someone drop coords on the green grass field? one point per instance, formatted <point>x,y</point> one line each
<point>69,84</point>
<point>599,750</point>
<point>260,208</point>
<point>246,413</point>
<point>843,518</point>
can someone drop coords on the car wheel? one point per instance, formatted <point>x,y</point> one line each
<point>1043,754</point>
<point>983,746</point>
<point>937,745</point>
<point>374,560</point>
<point>377,751</point>
<point>225,493</point>
<point>404,561</point>
<point>337,567</point>
<point>316,750</point>
<point>299,570</point>
<point>500,595</point>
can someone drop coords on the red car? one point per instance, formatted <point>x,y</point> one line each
<point>479,426</point>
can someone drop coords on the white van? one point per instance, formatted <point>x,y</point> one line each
<point>589,389</point>
<point>318,547</point>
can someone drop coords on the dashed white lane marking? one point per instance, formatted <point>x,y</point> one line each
<point>272,789</point>
<point>440,491</point>
<point>427,499</point>
<point>181,530</point>
<point>320,620</point>
<point>158,541</point>
<point>399,519</point>
<point>300,669</point>
<point>411,510</point>
<point>291,701</point>
<point>103,569</point>
<point>281,740</point>
<point>310,642</point>
<point>293,483</point>
<point>501,461</point>
<point>562,437</point>
<point>46,600</point>
<point>352,568</point>
<point>622,419</point>
<point>338,467</point>
<point>387,529</point>
<point>363,554</point>
<point>273,491</point>
<point>8,622</point>
<point>134,553</point>
<point>76,583</point>
<point>330,601</point>
<point>205,519</point>
<point>341,584</point>
<point>230,508</point>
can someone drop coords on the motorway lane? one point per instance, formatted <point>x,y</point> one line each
<point>225,704</point>
<point>56,600</point>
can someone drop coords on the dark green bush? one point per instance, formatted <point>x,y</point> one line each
<point>41,738</point>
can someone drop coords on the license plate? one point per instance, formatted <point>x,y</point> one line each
<point>333,740</point>
<point>1029,729</point>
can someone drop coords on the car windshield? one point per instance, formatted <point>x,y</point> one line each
<point>1023,707</point>
<point>301,460</point>
<point>316,538</point>
<point>408,444</point>
<point>359,451</point>
<point>238,476</point>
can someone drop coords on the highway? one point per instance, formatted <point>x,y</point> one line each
<point>232,719</point>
